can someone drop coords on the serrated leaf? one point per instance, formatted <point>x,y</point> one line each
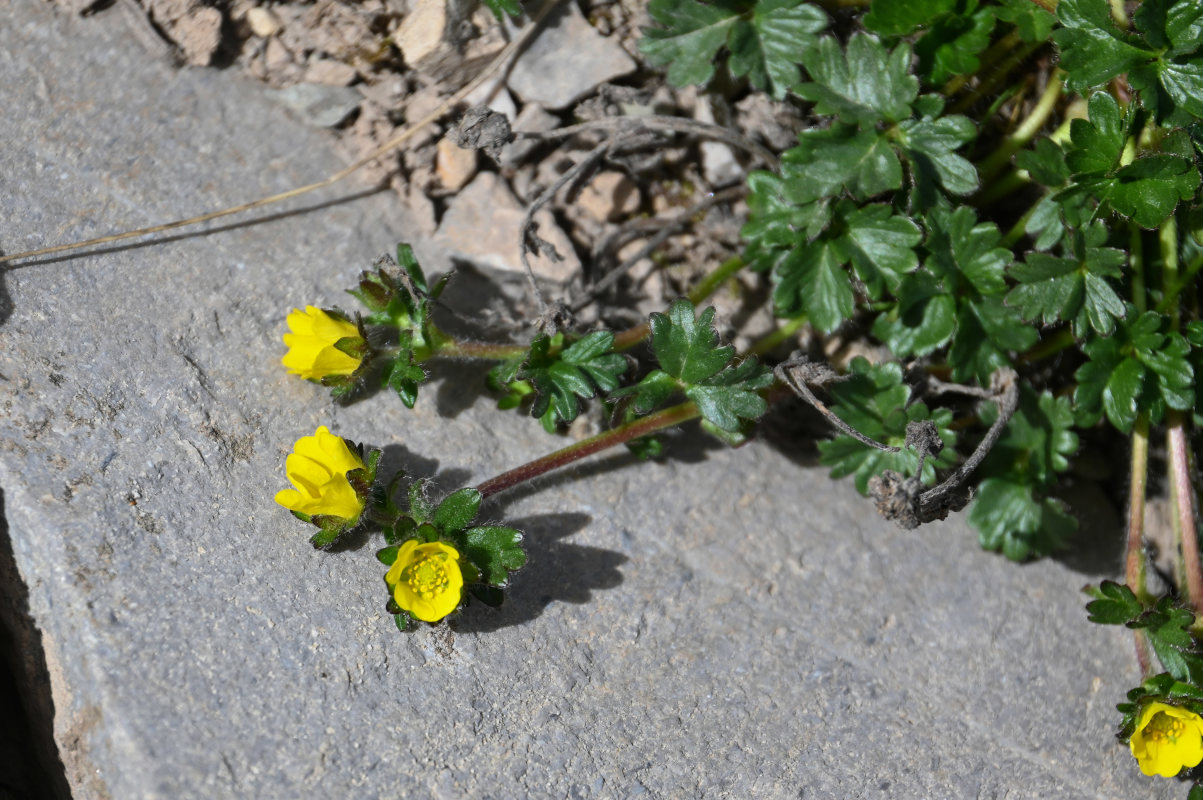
<point>1011,520</point>
<point>731,397</point>
<point>812,279</point>
<point>827,160</point>
<point>1093,49</point>
<point>930,145</point>
<point>1045,162</point>
<point>1036,443</point>
<point>960,246</point>
<point>1033,22</point>
<point>1115,604</point>
<point>1168,629</point>
<point>862,83</point>
<point>495,550</point>
<point>1099,141</point>
<point>1054,289</point>
<point>923,320</point>
<point>879,243</point>
<point>766,42</point>
<point>987,332</point>
<point>952,43</point>
<point>688,347</point>
<point>560,378</point>
<point>457,510</point>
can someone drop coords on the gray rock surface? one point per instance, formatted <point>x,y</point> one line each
<point>318,104</point>
<point>567,60</point>
<point>726,625</point>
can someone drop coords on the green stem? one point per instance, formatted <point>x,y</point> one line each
<point>1134,566</point>
<point>1001,157</point>
<point>1012,182</point>
<point>1167,237</point>
<point>1007,44</point>
<point>990,84</point>
<point>1170,300</point>
<point>1054,344</point>
<point>767,343</point>
<point>1136,266</point>
<point>710,283</point>
<point>1020,227</point>
<point>587,447</point>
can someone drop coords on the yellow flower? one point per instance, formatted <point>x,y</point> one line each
<point>311,351</point>
<point>1167,738</point>
<point>426,579</point>
<point>318,468</point>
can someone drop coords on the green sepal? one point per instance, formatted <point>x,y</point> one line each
<point>388,555</point>
<point>457,510</point>
<point>404,621</point>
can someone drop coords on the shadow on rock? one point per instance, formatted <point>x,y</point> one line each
<point>555,571</point>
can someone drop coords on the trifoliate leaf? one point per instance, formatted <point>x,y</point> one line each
<point>873,400</point>
<point>494,550</point>
<point>961,246</point>
<point>1010,519</point>
<point>929,145</point>
<point>766,40</point>
<point>560,377</point>
<point>863,83</point>
<point>1114,604</point>
<point>1168,629</point>
<point>1093,49</point>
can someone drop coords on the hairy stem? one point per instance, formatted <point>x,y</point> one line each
<point>1134,562</point>
<point>587,447</point>
<point>1182,497</point>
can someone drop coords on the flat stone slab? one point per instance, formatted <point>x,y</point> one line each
<point>731,624</point>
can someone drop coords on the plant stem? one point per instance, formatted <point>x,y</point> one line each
<point>587,447</point>
<point>1182,498</point>
<point>1059,341</point>
<point>990,83</point>
<point>1136,263</point>
<point>1027,129</point>
<point>710,282</point>
<point>454,348</point>
<point>1134,566</point>
<point>1004,45</point>
<point>781,334</point>
<point>1167,237</point>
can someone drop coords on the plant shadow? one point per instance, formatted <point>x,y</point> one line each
<point>555,571</point>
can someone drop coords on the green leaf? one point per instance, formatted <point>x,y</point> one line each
<point>404,376</point>
<point>923,320</point>
<point>1093,49</point>
<point>929,145</point>
<point>1099,141</point>
<point>457,510</point>
<point>961,247</point>
<point>766,42</point>
<point>874,401</point>
<point>987,332</point>
<point>769,47</point>
<point>812,279</point>
<point>892,18</point>
<point>879,243</point>
<point>1033,22</point>
<point>1114,604</point>
<point>1074,290</point>
<point>1168,628</point>
<point>690,38</point>
<point>560,377</point>
<point>387,555</point>
<point>953,42</point>
<point>495,551</point>
<point>502,7</point>
<point>1011,520</point>
<point>827,160</point>
<point>861,83</point>
<point>688,348</point>
<point>1045,162</point>
<point>730,397</point>
<point>1036,443</point>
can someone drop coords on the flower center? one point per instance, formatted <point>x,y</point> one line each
<point>427,578</point>
<point>1164,728</point>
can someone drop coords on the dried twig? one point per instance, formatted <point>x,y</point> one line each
<point>798,371</point>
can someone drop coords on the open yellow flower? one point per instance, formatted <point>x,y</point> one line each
<point>426,580</point>
<point>311,351</point>
<point>318,468</point>
<point>1167,738</point>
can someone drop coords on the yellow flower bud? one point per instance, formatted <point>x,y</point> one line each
<point>1167,738</point>
<point>426,580</point>
<point>318,468</point>
<point>311,344</point>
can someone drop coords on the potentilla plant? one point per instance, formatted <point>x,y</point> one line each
<point>1001,196</point>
